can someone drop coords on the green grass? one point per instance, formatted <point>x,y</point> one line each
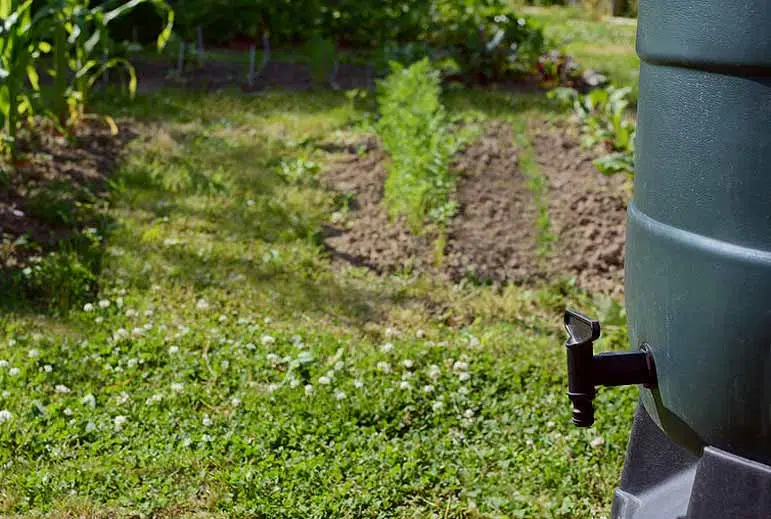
<point>226,369</point>
<point>600,45</point>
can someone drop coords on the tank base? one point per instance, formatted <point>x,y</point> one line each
<point>662,480</point>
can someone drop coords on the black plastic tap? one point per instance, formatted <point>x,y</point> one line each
<point>587,370</point>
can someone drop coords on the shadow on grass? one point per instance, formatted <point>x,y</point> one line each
<point>52,241</point>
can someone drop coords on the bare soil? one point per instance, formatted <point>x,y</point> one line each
<point>587,210</point>
<point>55,188</point>
<point>492,237</point>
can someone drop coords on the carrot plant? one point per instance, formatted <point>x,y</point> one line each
<point>415,133</point>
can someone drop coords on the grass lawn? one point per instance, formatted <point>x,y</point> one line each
<point>607,46</point>
<point>228,369</point>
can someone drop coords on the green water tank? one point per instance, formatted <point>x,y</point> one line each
<point>698,258</point>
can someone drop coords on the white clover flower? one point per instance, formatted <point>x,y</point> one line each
<point>325,381</point>
<point>339,365</point>
<point>157,397</point>
<point>308,389</point>
<point>3,363</point>
<point>272,388</point>
<point>428,388</point>
<point>173,349</point>
<point>405,385</point>
<point>272,358</point>
<point>119,302</point>
<point>251,346</point>
<point>293,382</point>
<point>104,303</point>
<point>408,363</point>
<point>473,342</point>
<point>177,387</point>
<point>99,319</point>
<point>90,427</point>
<point>437,405</point>
<point>597,442</point>
<point>468,413</point>
<point>267,320</point>
<point>202,304</point>
<point>89,400</point>
<point>130,312</point>
<point>5,416</point>
<point>33,353</point>
<point>460,366</point>
<point>340,395</point>
<point>67,411</point>
<point>463,390</point>
<point>391,332</point>
<point>120,333</point>
<point>358,384</point>
<point>464,376</point>
<point>61,388</point>
<point>148,327</point>
<point>434,372</point>
<point>407,375</point>
<point>88,307</point>
<point>235,402</point>
<point>420,334</point>
<point>297,341</point>
<point>6,394</point>
<point>384,367</point>
<point>123,397</point>
<point>119,421</point>
<point>267,340</point>
<point>206,438</point>
<point>132,363</point>
<point>48,368</point>
<point>136,332</point>
<point>387,347</point>
<point>206,420</point>
<point>222,318</point>
<point>225,364</point>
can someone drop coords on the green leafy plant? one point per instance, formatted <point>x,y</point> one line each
<point>415,133</point>
<point>604,121</point>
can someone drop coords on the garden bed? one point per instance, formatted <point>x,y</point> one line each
<point>492,237</point>
<point>212,74</point>
<point>56,189</point>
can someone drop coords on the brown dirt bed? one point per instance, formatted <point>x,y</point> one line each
<point>55,189</point>
<point>492,237</point>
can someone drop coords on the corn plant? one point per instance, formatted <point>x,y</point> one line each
<point>81,42</point>
<point>20,45</point>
